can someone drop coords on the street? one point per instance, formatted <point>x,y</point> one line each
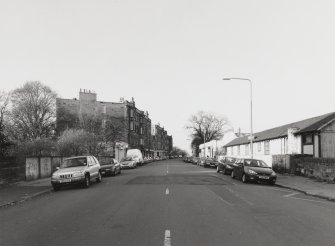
<point>170,203</point>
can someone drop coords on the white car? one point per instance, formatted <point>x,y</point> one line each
<point>128,162</point>
<point>77,170</point>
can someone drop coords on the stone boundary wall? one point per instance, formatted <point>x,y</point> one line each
<point>322,169</point>
<point>319,168</point>
<point>11,168</point>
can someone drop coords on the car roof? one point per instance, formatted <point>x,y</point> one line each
<point>77,157</point>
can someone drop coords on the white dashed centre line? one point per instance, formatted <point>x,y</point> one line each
<point>167,239</point>
<point>167,192</point>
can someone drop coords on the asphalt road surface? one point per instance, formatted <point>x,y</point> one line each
<point>170,203</point>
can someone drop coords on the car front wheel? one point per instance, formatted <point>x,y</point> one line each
<point>244,178</point>
<point>87,181</point>
<point>56,187</point>
<point>99,178</point>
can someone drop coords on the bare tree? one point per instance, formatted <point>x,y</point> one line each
<point>4,101</point>
<point>205,127</point>
<point>33,111</point>
<point>4,142</point>
<point>177,152</point>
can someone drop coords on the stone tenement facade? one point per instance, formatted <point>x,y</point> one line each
<point>161,142</point>
<point>133,125</point>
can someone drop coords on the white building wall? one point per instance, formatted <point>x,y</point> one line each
<point>277,147</point>
<point>214,145</point>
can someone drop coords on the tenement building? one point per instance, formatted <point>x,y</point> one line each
<point>121,121</point>
<point>161,142</point>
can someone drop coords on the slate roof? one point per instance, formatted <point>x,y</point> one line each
<point>308,125</point>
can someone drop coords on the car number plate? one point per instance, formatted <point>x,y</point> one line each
<point>65,180</point>
<point>263,177</point>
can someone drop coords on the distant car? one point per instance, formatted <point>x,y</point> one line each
<point>207,162</point>
<point>128,162</point>
<point>214,163</point>
<point>210,162</point>
<point>201,161</point>
<point>195,160</point>
<point>77,170</point>
<point>225,165</point>
<point>253,170</point>
<point>110,167</point>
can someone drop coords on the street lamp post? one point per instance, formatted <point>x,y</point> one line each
<point>205,145</point>
<point>251,131</point>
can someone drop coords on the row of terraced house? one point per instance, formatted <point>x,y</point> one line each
<point>130,127</point>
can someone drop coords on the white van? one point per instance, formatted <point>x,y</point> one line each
<point>136,154</point>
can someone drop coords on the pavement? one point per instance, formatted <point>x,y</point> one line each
<point>309,186</point>
<point>168,203</point>
<point>18,192</point>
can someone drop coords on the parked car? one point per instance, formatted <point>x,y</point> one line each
<point>214,163</point>
<point>253,170</point>
<point>77,170</point>
<point>225,165</point>
<point>201,161</point>
<point>207,162</point>
<point>128,162</point>
<point>110,167</point>
<point>195,160</point>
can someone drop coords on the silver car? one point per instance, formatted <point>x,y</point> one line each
<point>128,162</point>
<point>77,170</point>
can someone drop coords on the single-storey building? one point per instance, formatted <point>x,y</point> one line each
<point>314,136</point>
<point>216,147</point>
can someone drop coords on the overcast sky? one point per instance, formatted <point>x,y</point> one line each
<point>171,55</point>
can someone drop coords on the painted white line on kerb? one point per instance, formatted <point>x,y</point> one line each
<point>167,240</point>
<point>167,192</point>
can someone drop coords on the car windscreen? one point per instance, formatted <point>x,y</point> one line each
<point>230,160</point>
<point>255,163</point>
<point>106,162</point>
<point>127,159</point>
<point>75,162</point>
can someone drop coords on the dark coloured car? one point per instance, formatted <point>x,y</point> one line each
<point>208,162</point>
<point>253,170</point>
<point>225,165</point>
<point>110,167</point>
<point>213,163</point>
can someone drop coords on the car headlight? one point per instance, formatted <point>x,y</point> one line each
<point>273,174</point>
<point>252,172</point>
<point>55,176</point>
<point>77,174</point>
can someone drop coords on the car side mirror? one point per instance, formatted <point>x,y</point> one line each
<point>57,168</point>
